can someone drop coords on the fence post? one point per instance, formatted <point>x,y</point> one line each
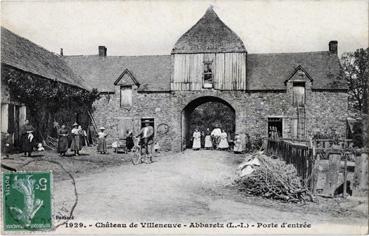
<point>345,177</point>
<point>316,172</point>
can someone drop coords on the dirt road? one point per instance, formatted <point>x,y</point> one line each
<point>190,186</point>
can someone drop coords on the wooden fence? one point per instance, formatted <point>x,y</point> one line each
<point>305,155</point>
<point>299,155</point>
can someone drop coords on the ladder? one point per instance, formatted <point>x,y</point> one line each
<point>301,118</point>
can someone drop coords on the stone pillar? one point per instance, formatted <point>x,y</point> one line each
<point>331,181</point>
<point>361,173</point>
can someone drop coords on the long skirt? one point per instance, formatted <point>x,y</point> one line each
<point>76,144</point>
<point>27,145</point>
<point>208,143</point>
<point>129,143</point>
<point>101,145</point>
<point>63,144</point>
<point>196,143</point>
<point>223,144</point>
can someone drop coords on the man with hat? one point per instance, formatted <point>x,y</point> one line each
<point>147,136</point>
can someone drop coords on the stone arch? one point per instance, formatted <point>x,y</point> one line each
<point>190,107</point>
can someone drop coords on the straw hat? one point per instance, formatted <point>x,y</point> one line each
<point>102,128</point>
<point>75,124</point>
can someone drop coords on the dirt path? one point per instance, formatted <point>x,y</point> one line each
<point>185,187</point>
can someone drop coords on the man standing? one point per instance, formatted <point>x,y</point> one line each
<point>215,135</point>
<point>146,134</point>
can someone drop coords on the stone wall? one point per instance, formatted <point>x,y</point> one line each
<point>325,111</point>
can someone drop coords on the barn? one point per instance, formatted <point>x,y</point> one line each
<point>295,94</point>
<point>25,63</point>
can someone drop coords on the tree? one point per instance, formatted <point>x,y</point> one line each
<point>356,69</point>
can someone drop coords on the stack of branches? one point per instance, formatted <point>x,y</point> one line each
<point>274,179</point>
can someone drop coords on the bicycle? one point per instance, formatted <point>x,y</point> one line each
<point>138,157</point>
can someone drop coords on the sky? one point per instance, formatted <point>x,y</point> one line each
<point>152,27</point>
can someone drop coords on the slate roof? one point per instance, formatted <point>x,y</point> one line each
<point>264,71</point>
<point>270,71</point>
<point>25,55</point>
<point>209,35</point>
<point>151,72</point>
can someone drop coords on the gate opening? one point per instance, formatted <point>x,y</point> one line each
<point>207,113</point>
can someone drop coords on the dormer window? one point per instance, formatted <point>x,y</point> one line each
<point>208,77</point>
<point>298,94</point>
<point>125,96</point>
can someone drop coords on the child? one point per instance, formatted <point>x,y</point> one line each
<point>208,143</point>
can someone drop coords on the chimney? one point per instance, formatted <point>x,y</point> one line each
<point>333,46</point>
<point>61,52</point>
<point>102,51</point>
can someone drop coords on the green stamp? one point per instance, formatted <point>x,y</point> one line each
<point>27,201</point>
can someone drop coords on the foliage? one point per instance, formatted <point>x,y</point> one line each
<point>356,69</point>
<point>48,101</point>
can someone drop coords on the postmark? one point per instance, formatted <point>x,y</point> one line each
<point>27,204</point>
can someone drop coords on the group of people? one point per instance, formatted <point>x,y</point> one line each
<point>216,139</point>
<point>75,138</point>
<point>221,140</point>
<point>79,139</point>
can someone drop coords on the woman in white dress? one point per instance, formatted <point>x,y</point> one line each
<point>208,143</point>
<point>223,144</point>
<point>196,145</point>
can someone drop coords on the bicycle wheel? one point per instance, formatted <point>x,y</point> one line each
<point>136,159</point>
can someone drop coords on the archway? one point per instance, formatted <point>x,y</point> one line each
<point>206,112</point>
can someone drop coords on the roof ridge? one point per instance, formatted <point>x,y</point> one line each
<point>279,53</point>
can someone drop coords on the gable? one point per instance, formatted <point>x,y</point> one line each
<point>299,74</point>
<point>126,79</point>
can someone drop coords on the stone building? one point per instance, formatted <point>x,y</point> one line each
<point>24,60</point>
<point>295,93</point>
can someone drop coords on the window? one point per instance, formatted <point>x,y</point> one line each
<point>298,94</point>
<point>125,96</point>
<point>208,74</point>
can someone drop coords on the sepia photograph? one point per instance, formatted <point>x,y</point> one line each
<point>184,117</point>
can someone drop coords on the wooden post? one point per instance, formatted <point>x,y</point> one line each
<point>332,174</point>
<point>345,176</point>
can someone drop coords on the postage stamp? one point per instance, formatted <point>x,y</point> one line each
<point>27,201</point>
